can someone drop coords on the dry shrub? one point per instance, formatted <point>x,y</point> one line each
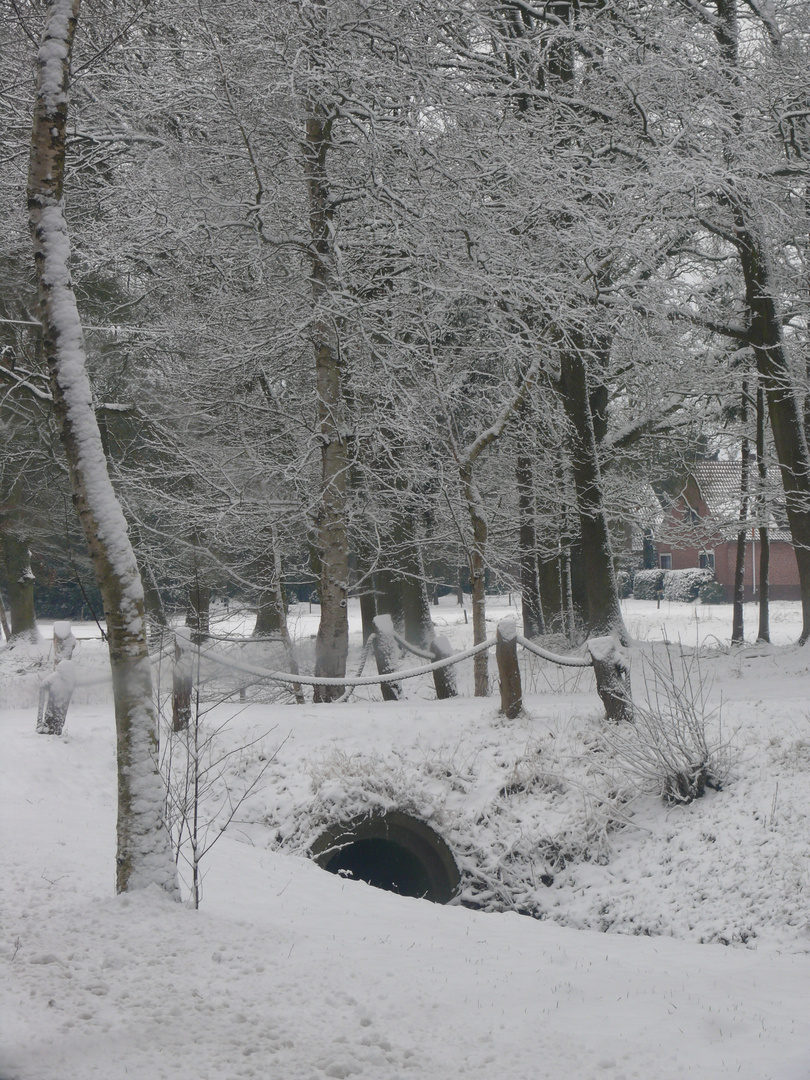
<point>669,747</point>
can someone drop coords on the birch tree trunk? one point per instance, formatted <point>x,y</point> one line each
<point>143,854</point>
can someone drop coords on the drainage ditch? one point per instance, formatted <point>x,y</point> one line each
<point>393,851</point>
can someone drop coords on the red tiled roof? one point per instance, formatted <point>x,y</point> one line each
<point>719,484</point>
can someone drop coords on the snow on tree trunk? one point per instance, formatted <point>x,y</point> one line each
<point>143,855</point>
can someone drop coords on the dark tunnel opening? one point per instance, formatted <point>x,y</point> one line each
<point>392,851</point>
<point>382,864</point>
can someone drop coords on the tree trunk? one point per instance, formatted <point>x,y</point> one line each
<point>738,627</point>
<point>332,641</point>
<point>604,610</point>
<point>737,617</point>
<point>269,611</point>
<point>4,621</point>
<point>444,679</point>
<point>198,611</point>
<point>182,680</point>
<point>268,618</point>
<point>508,669</point>
<point>417,618</point>
<point>283,625</point>
<point>143,855</point>
<point>783,406</point>
<point>387,655</point>
<point>532,610</point>
<point>389,596</point>
<point>551,594</point>
<point>477,557</point>
<point>764,630</point>
<point>766,335</point>
<point>20,578</point>
<point>368,611</point>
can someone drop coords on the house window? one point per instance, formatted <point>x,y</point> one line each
<point>666,562</point>
<point>707,560</point>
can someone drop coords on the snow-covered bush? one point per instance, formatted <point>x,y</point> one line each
<point>669,747</point>
<point>624,582</point>
<point>685,585</point>
<point>647,584</point>
<point>712,592</point>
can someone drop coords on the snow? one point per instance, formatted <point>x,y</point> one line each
<point>287,971</point>
<point>52,55</point>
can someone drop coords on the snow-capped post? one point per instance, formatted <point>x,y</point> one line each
<point>444,679</point>
<point>386,653</point>
<point>57,690</point>
<point>508,670</point>
<point>611,666</point>
<point>143,851</point>
<point>63,642</point>
<point>54,698</point>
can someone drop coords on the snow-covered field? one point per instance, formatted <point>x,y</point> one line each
<point>670,941</point>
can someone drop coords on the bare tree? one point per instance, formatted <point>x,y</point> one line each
<point>143,854</point>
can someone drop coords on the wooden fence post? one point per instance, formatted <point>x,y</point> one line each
<point>386,653</point>
<point>57,690</point>
<point>508,670</point>
<point>612,671</point>
<point>54,698</point>
<point>444,679</point>
<point>63,641</point>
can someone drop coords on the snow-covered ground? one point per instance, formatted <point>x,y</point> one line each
<point>670,941</point>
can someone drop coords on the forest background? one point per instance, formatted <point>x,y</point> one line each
<point>380,297</point>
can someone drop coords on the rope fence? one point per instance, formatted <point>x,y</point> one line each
<point>351,680</point>
<point>606,657</point>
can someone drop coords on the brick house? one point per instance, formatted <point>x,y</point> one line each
<point>701,524</point>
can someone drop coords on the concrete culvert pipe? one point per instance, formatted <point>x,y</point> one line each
<point>392,851</point>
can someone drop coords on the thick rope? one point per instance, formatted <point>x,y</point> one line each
<point>366,680</point>
<point>369,645</point>
<point>563,661</point>
<point>424,653</point>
